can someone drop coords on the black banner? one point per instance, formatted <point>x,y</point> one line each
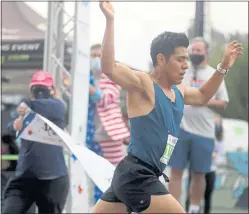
<point>27,61</point>
<point>27,55</point>
<point>34,46</point>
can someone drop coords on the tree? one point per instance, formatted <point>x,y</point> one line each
<point>236,82</point>
<point>237,86</point>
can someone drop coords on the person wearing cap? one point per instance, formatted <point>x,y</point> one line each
<point>41,175</point>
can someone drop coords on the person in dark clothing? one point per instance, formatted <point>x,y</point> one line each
<point>9,147</point>
<point>41,174</point>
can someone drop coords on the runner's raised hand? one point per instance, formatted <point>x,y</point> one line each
<point>107,9</point>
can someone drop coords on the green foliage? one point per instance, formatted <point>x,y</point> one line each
<point>237,85</point>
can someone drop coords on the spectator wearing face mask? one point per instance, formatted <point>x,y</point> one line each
<point>41,174</point>
<point>197,135</point>
<point>110,130</point>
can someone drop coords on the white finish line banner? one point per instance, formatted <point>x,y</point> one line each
<point>41,130</point>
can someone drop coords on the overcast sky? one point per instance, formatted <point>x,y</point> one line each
<point>137,23</point>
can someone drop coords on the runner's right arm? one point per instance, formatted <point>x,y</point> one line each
<point>118,73</point>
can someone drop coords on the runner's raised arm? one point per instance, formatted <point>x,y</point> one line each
<point>118,73</point>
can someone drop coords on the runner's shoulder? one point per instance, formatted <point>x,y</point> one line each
<point>146,82</point>
<point>143,76</point>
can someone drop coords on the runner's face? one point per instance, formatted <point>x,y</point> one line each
<point>175,67</point>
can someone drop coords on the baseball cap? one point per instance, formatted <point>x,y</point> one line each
<point>43,78</point>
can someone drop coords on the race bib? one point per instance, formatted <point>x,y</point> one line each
<point>171,142</point>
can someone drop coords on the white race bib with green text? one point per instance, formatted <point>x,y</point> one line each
<point>171,142</point>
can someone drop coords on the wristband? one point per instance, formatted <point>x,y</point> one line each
<point>222,70</point>
<point>97,96</point>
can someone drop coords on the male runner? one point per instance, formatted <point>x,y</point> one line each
<point>155,107</point>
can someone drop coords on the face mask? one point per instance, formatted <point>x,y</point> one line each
<point>95,64</point>
<point>196,59</point>
<point>40,92</point>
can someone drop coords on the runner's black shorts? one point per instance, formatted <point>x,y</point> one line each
<point>133,184</point>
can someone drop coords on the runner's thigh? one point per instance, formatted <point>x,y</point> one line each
<point>109,207</point>
<point>164,204</point>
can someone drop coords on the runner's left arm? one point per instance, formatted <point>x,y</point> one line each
<point>201,96</point>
